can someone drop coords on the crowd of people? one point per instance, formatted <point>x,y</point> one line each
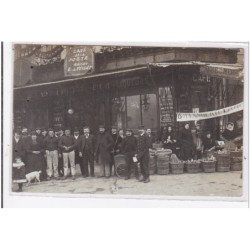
<point>55,153</point>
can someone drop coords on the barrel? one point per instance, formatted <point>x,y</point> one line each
<point>192,167</point>
<point>236,164</point>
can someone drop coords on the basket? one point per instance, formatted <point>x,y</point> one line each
<point>177,168</point>
<point>152,165</point>
<point>223,162</point>
<point>236,164</point>
<point>192,167</point>
<point>235,154</point>
<point>163,168</point>
<point>208,166</point>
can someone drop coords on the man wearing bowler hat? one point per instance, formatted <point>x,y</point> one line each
<point>86,152</point>
<point>129,149</point>
<point>143,145</point>
<point>104,146</point>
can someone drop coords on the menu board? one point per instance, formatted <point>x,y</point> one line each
<point>79,60</point>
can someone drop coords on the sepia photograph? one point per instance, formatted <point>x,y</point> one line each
<point>128,121</point>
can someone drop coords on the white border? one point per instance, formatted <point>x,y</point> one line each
<point>57,200</point>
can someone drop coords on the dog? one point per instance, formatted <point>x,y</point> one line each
<point>33,176</point>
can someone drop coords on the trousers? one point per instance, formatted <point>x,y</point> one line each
<point>52,163</point>
<point>69,157</point>
<point>87,159</point>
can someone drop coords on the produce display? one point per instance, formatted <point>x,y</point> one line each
<point>176,165</point>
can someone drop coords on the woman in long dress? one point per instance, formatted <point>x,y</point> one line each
<point>35,152</point>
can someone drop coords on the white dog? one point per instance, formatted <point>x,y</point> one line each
<point>33,176</point>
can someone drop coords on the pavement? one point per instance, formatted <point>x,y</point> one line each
<point>226,184</point>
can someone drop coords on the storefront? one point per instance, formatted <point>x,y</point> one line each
<point>149,95</point>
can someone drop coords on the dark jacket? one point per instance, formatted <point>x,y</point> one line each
<point>87,144</point>
<point>129,145</point>
<point>67,141</point>
<point>18,149</point>
<point>50,143</point>
<point>143,145</point>
<point>104,146</point>
<point>186,137</point>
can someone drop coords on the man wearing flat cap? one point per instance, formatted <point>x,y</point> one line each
<point>143,145</point>
<point>104,146</point>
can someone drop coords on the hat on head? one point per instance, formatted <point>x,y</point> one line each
<point>33,133</point>
<point>76,129</point>
<point>38,128</point>
<point>113,127</point>
<point>85,127</point>
<point>141,127</point>
<point>50,129</point>
<point>129,129</point>
<point>101,126</point>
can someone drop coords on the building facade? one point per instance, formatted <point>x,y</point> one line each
<point>123,86</point>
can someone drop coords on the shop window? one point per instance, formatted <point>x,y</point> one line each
<point>133,111</point>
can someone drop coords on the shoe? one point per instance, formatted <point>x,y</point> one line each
<point>49,178</point>
<point>73,178</point>
<point>141,179</point>
<point>127,178</point>
<point>146,181</point>
<point>84,176</point>
<point>64,177</point>
<point>57,178</point>
<point>92,175</point>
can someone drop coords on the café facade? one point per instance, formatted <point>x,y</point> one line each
<point>123,86</point>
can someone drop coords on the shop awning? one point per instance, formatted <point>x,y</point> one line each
<point>92,76</point>
<point>230,71</point>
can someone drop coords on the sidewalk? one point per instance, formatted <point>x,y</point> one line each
<point>202,184</point>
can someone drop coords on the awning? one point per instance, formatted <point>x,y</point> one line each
<point>113,73</point>
<point>230,71</point>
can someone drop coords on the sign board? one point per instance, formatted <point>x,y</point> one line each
<point>183,117</point>
<point>220,71</point>
<point>79,60</point>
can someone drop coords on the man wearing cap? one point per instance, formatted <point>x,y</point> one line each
<point>51,150</point>
<point>104,146</point>
<point>143,145</point>
<point>128,148</point>
<point>86,152</point>
<point>67,145</point>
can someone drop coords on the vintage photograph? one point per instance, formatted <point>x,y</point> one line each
<point>127,120</point>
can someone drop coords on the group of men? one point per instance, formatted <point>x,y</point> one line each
<point>63,150</point>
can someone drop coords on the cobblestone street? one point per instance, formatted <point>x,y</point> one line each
<point>202,184</point>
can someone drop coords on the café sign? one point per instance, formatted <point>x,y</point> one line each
<point>79,60</point>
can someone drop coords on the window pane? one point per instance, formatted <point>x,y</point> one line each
<point>149,111</point>
<point>133,112</point>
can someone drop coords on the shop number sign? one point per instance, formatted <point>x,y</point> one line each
<point>79,60</point>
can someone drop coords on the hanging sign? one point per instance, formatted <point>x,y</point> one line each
<point>183,117</point>
<point>79,60</point>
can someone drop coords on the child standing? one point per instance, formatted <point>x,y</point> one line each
<point>19,173</point>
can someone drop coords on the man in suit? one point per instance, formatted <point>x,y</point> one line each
<point>18,147</point>
<point>143,145</point>
<point>86,152</point>
<point>104,146</point>
<point>76,137</point>
<point>150,136</point>
<point>128,148</point>
<point>114,135</point>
